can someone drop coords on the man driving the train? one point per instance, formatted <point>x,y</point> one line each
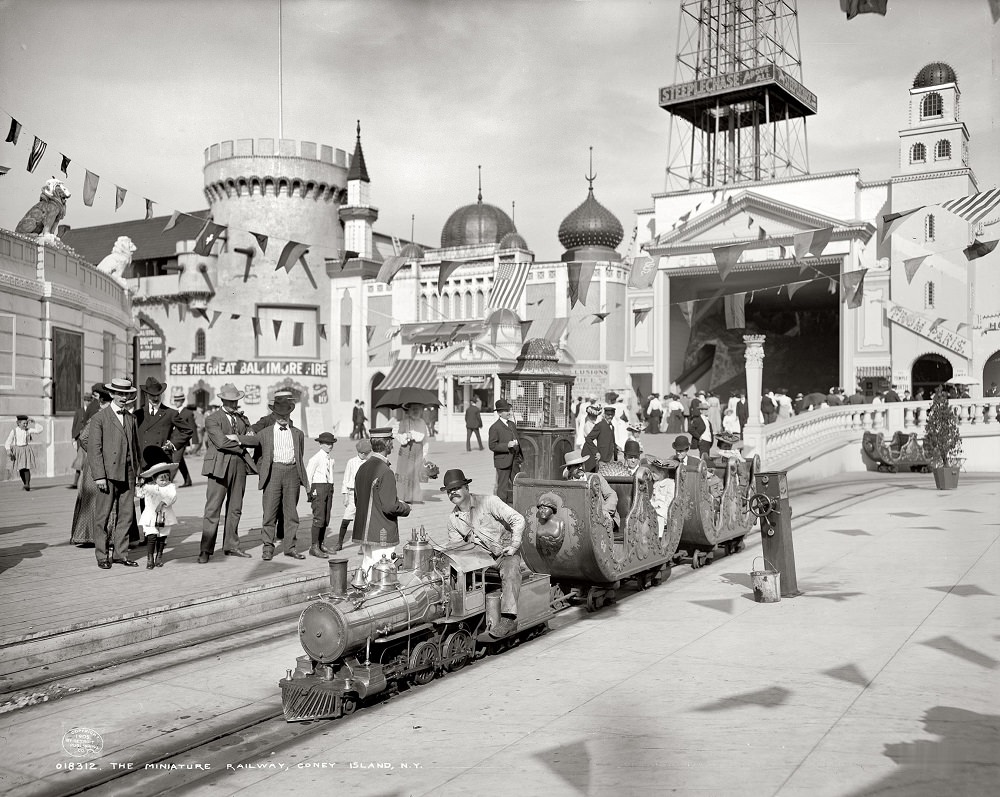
<point>488,522</point>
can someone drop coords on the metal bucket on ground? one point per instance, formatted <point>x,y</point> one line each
<point>766,583</point>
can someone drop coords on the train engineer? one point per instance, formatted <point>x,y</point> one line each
<point>487,521</point>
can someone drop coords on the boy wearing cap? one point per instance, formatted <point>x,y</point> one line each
<point>376,527</point>
<point>488,522</point>
<point>364,448</point>
<point>158,516</point>
<point>319,473</point>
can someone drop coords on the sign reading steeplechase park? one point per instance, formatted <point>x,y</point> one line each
<point>922,325</point>
<point>249,368</point>
<point>744,79</point>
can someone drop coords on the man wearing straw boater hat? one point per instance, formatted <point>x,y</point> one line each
<point>575,471</point>
<point>226,465</point>
<point>489,523</point>
<point>376,526</point>
<point>113,456</point>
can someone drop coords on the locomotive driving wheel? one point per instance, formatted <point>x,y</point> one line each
<point>459,649</point>
<point>348,705</point>
<point>423,662</point>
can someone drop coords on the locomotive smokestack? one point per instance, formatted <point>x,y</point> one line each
<point>338,577</point>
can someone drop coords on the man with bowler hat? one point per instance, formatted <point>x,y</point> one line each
<point>473,423</point>
<point>269,420</point>
<point>113,456</point>
<point>701,430</point>
<point>159,425</point>
<point>376,526</point>
<point>487,522</point>
<point>602,436</point>
<point>226,465</point>
<point>506,450</point>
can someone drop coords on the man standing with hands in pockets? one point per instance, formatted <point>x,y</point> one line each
<point>506,451</point>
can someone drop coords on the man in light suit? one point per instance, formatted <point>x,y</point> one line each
<point>113,456</point>
<point>506,450</point>
<point>226,465</point>
<point>282,474</point>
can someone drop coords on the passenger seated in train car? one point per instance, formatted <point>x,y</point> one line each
<point>576,471</point>
<point>664,489</point>
<point>682,455</point>
<point>627,466</point>
<point>488,522</point>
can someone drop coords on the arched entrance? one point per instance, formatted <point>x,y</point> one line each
<point>991,375</point>
<point>929,372</point>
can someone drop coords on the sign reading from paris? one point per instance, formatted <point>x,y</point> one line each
<point>250,368</point>
<point>922,325</point>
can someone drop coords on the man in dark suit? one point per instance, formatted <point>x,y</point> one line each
<point>113,456</point>
<point>702,433</point>
<point>158,425</point>
<point>376,525</point>
<point>282,475</point>
<point>186,415</point>
<point>357,414</point>
<point>506,451</point>
<point>890,395</point>
<point>742,411</point>
<point>473,423</point>
<point>602,437</point>
<point>226,465</point>
<point>858,397</point>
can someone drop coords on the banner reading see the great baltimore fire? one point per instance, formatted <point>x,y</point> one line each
<point>249,368</point>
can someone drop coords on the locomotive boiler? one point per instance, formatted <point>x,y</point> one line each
<point>401,625</point>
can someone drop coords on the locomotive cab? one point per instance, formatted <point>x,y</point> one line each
<point>467,564</point>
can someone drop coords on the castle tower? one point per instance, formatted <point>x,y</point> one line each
<point>935,139</point>
<point>737,105</point>
<point>358,214</point>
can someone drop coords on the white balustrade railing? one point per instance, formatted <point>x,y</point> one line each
<point>784,440</point>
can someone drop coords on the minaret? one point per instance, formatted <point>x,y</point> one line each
<point>935,139</point>
<point>358,214</point>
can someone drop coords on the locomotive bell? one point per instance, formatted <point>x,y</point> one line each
<point>384,573</point>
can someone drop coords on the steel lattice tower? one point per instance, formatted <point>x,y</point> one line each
<point>737,105</point>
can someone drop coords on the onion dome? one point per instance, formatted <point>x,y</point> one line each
<point>412,251</point>
<point>934,74</point>
<point>475,224</point>
<point>358,170</point>
<point>591,225</point>
<point>513,239</point>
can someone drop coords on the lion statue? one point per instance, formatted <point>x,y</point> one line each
<point>44,217</point>
<point>116,264</point>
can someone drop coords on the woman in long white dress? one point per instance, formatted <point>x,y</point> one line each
<point>411,436</point>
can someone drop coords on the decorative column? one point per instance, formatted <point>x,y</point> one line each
<point>753,433</point>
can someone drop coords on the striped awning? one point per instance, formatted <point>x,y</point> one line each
<point>411,373</point>
<point>874,371</point>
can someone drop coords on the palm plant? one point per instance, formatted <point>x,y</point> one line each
<point>942,440</point>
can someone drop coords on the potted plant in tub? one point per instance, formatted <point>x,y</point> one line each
<point>943,442</point>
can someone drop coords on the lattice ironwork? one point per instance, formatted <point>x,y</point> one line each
<point>539,403</point>
<point>738,107</point>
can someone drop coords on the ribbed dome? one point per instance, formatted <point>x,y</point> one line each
<point>475,224</point>
<point>513,240</point>
<point>412,252</point>
<point>934,75</point>
<point>591,224</point>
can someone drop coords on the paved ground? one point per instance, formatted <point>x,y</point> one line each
<point>880,679</point>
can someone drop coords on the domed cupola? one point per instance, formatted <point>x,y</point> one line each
<point>413,250</point>
<point>936,74</point>
<point>591,232</point>
<point>513,239</point>
<point>476,224</point>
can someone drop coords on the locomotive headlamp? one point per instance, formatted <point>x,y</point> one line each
<point>323,632</point>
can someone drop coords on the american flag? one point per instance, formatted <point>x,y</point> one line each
<point>974,208</point>
<point>508,285</point>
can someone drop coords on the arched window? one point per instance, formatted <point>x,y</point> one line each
<point>932,105</point>
<point>942,150</point>
<point>929,227</point>
<point>480,304</point>
<point>435,307</point>
<point>468,305</point>
<point>446,307</point>
<point>918,153</point>
<point>199,344</point>
<point>928,295</point>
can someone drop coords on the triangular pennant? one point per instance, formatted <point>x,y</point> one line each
<point>166,309</point>
<point>979,249</point>
<point>726,257</point>
<point>64,165</point>
<point>532,304</point>
<point>761,234</point>
<point>890,222</point>
<point>389,268</point>
<point>782,252</point>
<point>207,238</point>
<point>290,255</point>
<point>171,349</point>
<point>639,314</point>
<point>298,333</point>
<point>580,275</point>
<point>255,322</point>
<point>911,265</point>
<point>687,310</point>
<point>853,284</point>
<point>309,274</point>
<point>651,226</point>
<point>15,132</point>
<point>234,316</point>
<point>119,196</point>
<point>445,270</point>
<point>149,209</point>
<point>215,317</point>
<point>37,150</point>
<point>749,222</point>
<point>182,311</point>
<point>821,238</point>
<point>261,241</point>
<point>793,288</point>
<point>961,326</point>
<point>735,311</point>
<point>322,331</point>
<point>369,332</point>
<point>936,323</point>
<point>276,323</point>
<point>90,182</point>
<point>173,221</point>
<point>525,327</point>
<point>557,326</point>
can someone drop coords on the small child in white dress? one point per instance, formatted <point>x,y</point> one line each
<point>364,448</point>
<point>160,493</point>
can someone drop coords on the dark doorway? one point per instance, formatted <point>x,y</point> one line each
<point>201,398</point>
<point>929,372</point>
<point>991,376</point>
